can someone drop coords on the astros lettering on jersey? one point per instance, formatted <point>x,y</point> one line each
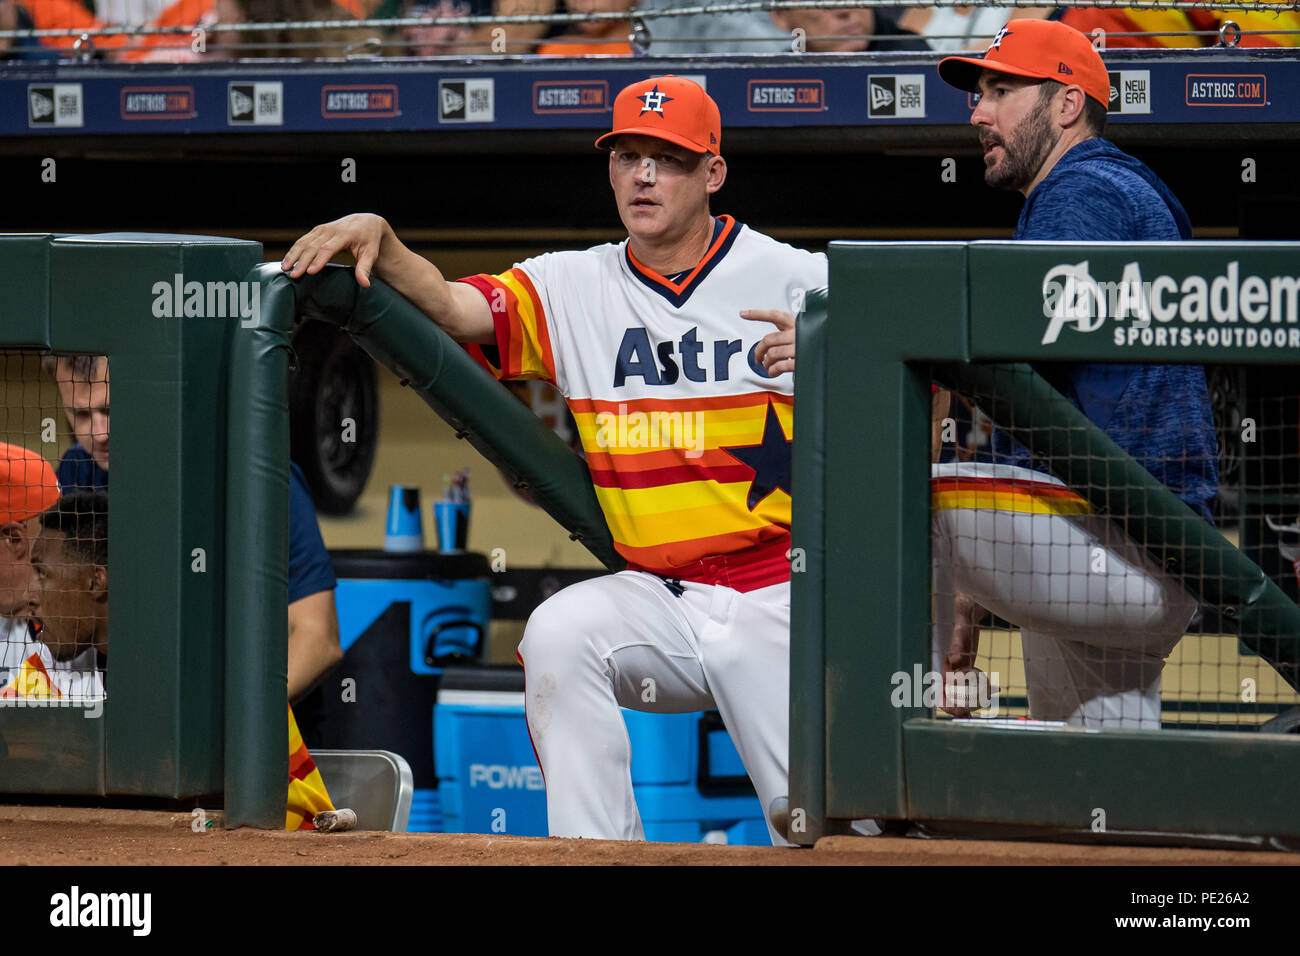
<point>687,439</point>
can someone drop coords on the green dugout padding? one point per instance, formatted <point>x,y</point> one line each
<point>897,315</point>
<point>197,335</point>
<point>399,336</point>
<point>808,557</point>
<point>161,732</point>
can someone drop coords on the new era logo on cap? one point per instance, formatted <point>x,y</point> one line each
<point>1063,68</point>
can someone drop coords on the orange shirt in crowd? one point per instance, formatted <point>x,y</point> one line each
<point>66,15</point>
<point>607,47</point>
<point>1127,20</point>
<point>72,15</point>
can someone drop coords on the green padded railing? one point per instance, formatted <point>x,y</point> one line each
<point>398,335</point>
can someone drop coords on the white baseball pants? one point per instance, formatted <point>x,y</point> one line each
<point>1097,616</point>
<point>627,640</point>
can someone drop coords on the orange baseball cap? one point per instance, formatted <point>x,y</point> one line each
<point>668,107</point>
<point>1039,49</point>
<point>27,484</point>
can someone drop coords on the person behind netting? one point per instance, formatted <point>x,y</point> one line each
<point>74,15</point>
<point>1097,616</point>
<point>586,37</point>
<point>741,32</point>
<point>847,30</point>
<point>314,648</point>
<point>84,389</point>
<point>15,16</point>
<point>963,28</point>
<point>84,393</point>
<point>303,43</point>
<point>466,39</point>
<point>1284,22</point>
<point>66,602</point>
<point>27,487</point>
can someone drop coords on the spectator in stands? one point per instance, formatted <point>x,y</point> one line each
<point>437,40</point>
<point>50,15</point>
<point>27,487</point>
<point>963,28</point>
<point>66,601</point>
<point>131,13</point>
<point>586,37</point>
<point>748,32</point>
<point>511,38</point>
<point>1127,20</point>
<point>179,47</point>
<point>14,16</point>
<point>848,30</point>
<point>306,43</point>
<point>83,382</point>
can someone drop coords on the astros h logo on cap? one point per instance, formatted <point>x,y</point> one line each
<point>671,108</point>
<point>1037,49</point>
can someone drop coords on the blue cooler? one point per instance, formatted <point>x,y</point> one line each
<point>688,779</point>
<point>402,619</point>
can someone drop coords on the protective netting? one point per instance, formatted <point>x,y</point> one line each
<point>205,30</point>
<point>1065,593</point>
<point>53,528</point>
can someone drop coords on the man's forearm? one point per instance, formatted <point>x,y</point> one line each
<point>422,283</point>
<point>311,655</point>
<point>313,641</point>
<point>965,645</point>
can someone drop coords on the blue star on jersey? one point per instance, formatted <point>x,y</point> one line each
<point>771,460</point>
<point>654,101</point>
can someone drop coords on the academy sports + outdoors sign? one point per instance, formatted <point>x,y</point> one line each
<point>1190,301</point>
<point>1072,297</point>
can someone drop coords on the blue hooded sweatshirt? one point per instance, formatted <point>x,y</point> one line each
<point>1159,414</point>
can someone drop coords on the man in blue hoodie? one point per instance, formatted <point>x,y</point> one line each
<point>1097,617</point>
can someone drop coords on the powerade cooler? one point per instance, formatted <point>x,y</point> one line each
<point>689,782</point>
<point>402,617</point>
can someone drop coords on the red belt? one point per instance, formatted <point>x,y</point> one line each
<point>758,567</point>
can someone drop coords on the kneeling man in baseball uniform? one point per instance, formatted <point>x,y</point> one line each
<point>685,410</point>
<point>1097,616</point>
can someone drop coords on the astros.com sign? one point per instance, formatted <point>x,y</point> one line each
<point>1224,310</point>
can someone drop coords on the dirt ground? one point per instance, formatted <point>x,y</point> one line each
<point>79,837</point>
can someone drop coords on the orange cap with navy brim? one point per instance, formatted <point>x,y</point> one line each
<point>27,484</point>
<point>1037,49</point>
<point>671,108</point>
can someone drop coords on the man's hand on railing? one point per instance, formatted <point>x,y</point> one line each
<point>361,234</point>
